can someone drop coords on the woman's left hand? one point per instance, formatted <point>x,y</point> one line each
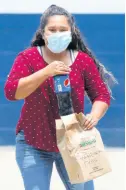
<point>90,122</point>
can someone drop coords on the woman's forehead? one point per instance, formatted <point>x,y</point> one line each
<point>58,20</point>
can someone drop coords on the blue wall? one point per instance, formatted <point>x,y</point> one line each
<point>104,35</point>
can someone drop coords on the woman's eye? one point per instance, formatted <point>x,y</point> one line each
<point>52,30</point>
<point>63,30</point>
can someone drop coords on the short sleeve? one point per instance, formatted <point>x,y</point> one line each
<point>20,69</point>
<point>94,85</point>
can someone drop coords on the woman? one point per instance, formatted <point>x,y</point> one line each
<point>56,49</point>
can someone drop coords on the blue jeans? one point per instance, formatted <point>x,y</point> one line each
<point>36,167</point>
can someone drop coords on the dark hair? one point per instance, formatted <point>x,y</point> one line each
<point>76,44</point>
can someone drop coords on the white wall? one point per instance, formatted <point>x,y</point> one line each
<point>74,6</point>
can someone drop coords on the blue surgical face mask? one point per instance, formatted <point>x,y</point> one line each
<point>58,42</point>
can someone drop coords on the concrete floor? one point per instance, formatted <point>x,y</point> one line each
<point>10,178</point>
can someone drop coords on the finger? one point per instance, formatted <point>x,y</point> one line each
<point>62,64</point>
<point>88,116</point>
<point>93,124</point>
<point>88,126</point>
<point>63,67</point>
<point>63,72</point>
<point>66,68</point>
<point>59,62</point>
<point>88,120</point>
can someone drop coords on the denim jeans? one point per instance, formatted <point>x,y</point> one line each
<point>36,167</point>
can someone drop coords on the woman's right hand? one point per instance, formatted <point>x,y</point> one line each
<point>57,68</point>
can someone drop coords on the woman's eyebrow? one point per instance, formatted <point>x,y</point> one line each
<point>65,27</point>
<point>54,26</point>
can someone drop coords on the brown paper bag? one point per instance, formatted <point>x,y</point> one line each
<point>82,151</point>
